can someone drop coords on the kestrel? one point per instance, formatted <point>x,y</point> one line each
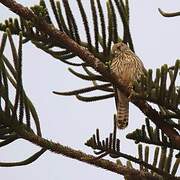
<point>129,68</point>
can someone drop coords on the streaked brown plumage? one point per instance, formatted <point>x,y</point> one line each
<point>129,68</point>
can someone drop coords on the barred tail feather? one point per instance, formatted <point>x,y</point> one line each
<point>122,110</point>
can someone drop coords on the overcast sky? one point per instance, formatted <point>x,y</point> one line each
<point>71,122</point>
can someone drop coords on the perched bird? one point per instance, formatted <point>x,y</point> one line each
<point>129,68</point>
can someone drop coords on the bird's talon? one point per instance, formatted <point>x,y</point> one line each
<point>131,92</point>
<point>129,97</point>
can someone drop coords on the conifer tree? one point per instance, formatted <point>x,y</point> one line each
<point>62,40</point>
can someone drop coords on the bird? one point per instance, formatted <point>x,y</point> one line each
<point>129,68</point>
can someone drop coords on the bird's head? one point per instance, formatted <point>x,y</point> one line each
<point>119,48</point>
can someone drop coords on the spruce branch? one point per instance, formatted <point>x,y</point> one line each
<point>166,14</point>
<point>103,87</point>
<point>72,153</point>
<point>95,23</point>
<point>94,98</point>
<point>85,23</point>
<point>55,11</point>
<point>103,26</point>
<point>111,146</point>
<point>150,135</point>
<point>125,20</point>
<point>20,109</point>
<point>114,21</point>
<point>12,75</point>
<point>89,77</point>
<point>27,161</point>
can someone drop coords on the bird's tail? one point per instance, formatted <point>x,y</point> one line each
<point>122,110</point>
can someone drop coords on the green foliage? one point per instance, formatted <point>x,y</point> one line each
<point>159,88</point>
<point>149,135</point>
<point>163,89</point>
<point>17,112</point>
<point>66,22</point>
<point>111,146</point>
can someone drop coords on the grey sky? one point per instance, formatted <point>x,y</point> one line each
<point>71,122</point>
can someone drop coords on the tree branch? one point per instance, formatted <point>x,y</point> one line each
<point>69,152</point>
<point>78,155</point>
<point>166,14</point>
<point>95,63</point>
